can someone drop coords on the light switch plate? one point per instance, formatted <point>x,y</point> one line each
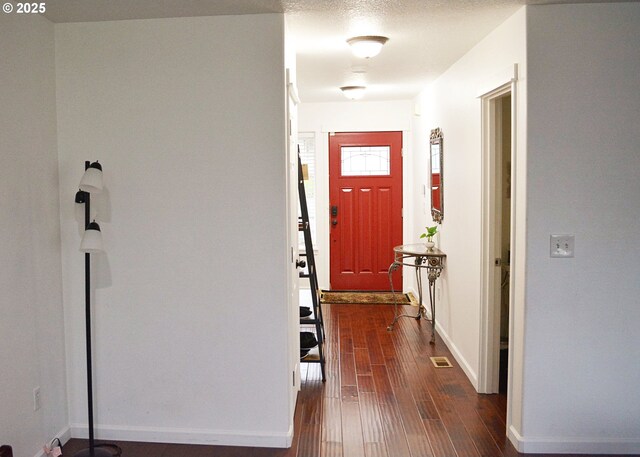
<point>562,245</point>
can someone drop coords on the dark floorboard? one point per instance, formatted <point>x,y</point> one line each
<point>382,398</point>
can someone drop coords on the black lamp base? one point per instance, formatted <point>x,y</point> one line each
<point>97,452</point>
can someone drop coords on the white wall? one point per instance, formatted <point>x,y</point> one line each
<point>187,117</point>
<point>452,103</point>
<point>350,116</point>
<point>582,314</point>
<point>31,322</point>
<point>576,353</point>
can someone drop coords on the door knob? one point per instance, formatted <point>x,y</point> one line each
<point>334,222</point>
<point>300,263</point>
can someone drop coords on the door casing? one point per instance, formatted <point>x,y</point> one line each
<point>489,341</point>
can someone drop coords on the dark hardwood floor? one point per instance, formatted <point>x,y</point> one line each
<point>383,398</point>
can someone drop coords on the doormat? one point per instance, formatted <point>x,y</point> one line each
<point>353,297</point>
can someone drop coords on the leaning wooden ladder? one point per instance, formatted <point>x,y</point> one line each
<point>316,319</point>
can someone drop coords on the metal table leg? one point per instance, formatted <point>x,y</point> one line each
<point>394,266</point>
<point>432,303</point>
<point>430,259</point>
<point>421,308</point>
<point>434,269</point>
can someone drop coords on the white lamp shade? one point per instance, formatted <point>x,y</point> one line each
<point>353,92</point>
<point>368,46</point>
<point>92,239</point>
<point>92,179</point>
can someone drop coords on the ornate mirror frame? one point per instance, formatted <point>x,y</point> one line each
<point>436,175</point>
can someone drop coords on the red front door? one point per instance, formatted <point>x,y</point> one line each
<point>365,194</point>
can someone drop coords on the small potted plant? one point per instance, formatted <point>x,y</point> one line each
<point>431,231</point>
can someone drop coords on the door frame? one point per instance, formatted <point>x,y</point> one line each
<point>292,206</point>
<point>355,124</point>
<point>489,341</point>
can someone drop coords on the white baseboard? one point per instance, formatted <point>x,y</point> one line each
<point>555,445</point>
<point>290,436</point>
<point>63,435</point>
<point>186,436</point>
<point>471,374</point>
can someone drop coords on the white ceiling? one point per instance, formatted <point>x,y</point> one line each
<point>425,36</point>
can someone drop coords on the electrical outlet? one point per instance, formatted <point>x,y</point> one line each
<point>562,245</point>
<point>36,398</point>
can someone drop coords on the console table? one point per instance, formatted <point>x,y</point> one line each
<point>419,257</point>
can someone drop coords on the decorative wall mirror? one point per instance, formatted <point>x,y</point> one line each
<point>436,154</point>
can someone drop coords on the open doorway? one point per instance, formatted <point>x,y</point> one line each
<point>498,122</point>
<point>503,197</point>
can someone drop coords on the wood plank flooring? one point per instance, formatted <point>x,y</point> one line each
<point>382,398</point>
<point>392,401</point>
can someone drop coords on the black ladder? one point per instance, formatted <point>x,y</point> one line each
<point>317,354</point>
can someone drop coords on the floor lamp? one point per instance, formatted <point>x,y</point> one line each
<point>91,183</point>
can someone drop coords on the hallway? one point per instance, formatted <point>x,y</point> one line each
<point>384,397</point>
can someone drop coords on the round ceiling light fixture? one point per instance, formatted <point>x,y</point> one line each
<point>353,92</point>
<point>367,46</point>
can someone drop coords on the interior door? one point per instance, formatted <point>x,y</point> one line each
<point>292,235</point>
<point>365,194</point>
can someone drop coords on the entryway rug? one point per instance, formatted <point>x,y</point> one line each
<point>348,297</point>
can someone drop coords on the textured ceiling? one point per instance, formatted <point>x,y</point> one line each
<point>425,36</point>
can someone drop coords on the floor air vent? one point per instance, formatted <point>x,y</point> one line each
<point>441,362</point>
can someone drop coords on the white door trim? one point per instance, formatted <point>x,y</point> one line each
<point>293,254</point>
<point>489,343</point>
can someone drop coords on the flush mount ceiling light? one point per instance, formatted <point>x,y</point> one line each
<point>353,92</point>
<point>367,46</point>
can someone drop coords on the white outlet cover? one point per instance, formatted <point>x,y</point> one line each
<point>562,245</point>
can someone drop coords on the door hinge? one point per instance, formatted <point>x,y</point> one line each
<point>293,378</point>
